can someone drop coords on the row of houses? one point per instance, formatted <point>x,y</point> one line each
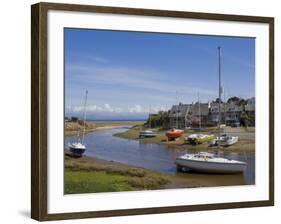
<point>187,115</point>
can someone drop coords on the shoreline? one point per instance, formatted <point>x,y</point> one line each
<point>71,128</point>
<point>74,132</point>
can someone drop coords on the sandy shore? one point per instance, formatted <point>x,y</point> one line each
<point>71,128</point>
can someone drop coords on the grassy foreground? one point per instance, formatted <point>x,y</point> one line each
<point>89,175</point>
<point>246,141</point>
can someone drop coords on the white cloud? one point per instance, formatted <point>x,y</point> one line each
<point>107,108</point>
<point>95,108</point>
<point>136,109</point>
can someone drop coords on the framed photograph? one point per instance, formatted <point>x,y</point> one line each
<point>141,111</point>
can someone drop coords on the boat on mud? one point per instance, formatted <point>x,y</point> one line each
<point>224,140</point>
<point>147,134</point>
<point>198,138</point>
<point>195,139</point>
<point>174,134</point>
<point>78,148</point>
<point>209,163</point>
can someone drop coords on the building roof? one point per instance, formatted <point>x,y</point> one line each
<point>228,107</point>
<point>250,106</point>
<point>181,109</point>
<point>204,109</point>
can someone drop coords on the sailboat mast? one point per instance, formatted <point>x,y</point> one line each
<point>177,108</point>
<point>199,111</point>
<point>149,117</point>
<point>219,121</point>
<point>224,110</point>
<point>84,117</point>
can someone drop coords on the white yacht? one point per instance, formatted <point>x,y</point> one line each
<point>209,163</point>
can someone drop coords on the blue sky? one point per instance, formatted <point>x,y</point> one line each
<point>129,74</point>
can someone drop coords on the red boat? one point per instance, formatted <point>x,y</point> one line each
<point>174,134</point>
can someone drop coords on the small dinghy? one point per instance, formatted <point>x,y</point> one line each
<point>147,134</point>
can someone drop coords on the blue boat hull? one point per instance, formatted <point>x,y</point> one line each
<point>76,152</point>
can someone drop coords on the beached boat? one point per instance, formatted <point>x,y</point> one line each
<point>222,138</point>
<point>198,138</point>
<point>225,140</point>
<point>147,134</point>
<point>78,148</point>
<point>209,163</point>
<point>174,133</point>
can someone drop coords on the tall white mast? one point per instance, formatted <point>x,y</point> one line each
<point>199,110</point>
<point>177,108</point>
<point>84,117</point>
<point>224,109</point>
<point>149,117</point>
<point>219,121</point>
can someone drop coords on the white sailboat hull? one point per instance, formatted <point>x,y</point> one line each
<point>225,141</point>
<point>210,167</point>
<point>147,134</point>
<point>231,141</point>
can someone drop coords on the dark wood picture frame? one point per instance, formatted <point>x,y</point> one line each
<point>39,110</point>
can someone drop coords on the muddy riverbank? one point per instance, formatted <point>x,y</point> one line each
<point>246,141</point>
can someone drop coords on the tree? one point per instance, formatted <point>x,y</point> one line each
<point>234,99</point>
<point>161,119</point>
<point>245,119</point>
<point>242,102</point>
